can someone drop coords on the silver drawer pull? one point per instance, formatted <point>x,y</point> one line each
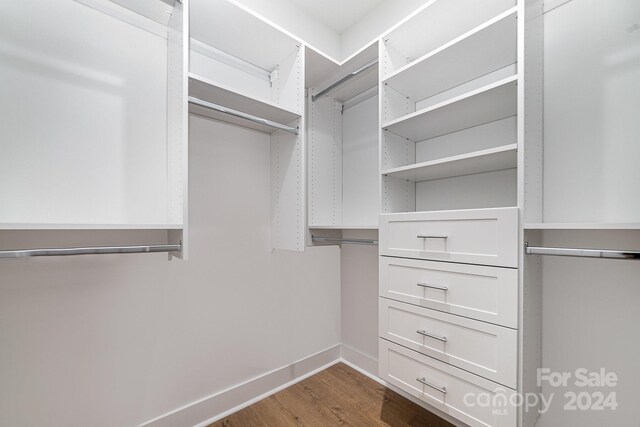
<point>420,236</point>
<point>435,337</point>
<point>426,285</point>
<point>442,390</point>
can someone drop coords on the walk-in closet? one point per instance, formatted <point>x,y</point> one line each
<point>266,213</point>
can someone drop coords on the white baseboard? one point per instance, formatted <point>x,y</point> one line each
<point>359,361</point>
<point>226,402</point>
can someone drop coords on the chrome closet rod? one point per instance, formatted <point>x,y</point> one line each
<point>92,250</point>
<point>343,80</point>
<point>343,241</point>
<point>246,116</point>
<point>585,253</point>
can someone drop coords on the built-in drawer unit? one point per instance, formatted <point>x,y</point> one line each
<point>465,396</point>
<point>484,293</point>
<point>473,236</point>
<point>478,347</point>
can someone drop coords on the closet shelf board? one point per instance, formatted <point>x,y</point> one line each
<point>487,48</point>
<point>321,73</point>
<point>236,30</point>
<point>343,227</point>
<point>42,226</point>
<point>493,159</point>
<point>581,226</point>
<point>487,104</point>
<point>210,91</point>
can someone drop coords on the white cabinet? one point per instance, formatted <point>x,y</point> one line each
<point>452,390</point>
<point>481,236</point>
<point>482,348</point>
<point>489,294</point>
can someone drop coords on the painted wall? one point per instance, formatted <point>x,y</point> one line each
<point>590,320</point>
<point>117,340</point>
<point>376,22</point>
<point>359,301</point>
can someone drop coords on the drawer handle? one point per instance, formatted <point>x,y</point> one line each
<point>426,285</point>
<point>442,390</point>
<point>435,337</point>
<point>419,236</point>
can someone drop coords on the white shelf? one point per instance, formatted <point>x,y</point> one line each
<point>216,93</point>
<point>486,104</point>
<point>19,226</point>
<point>322,73</point>
<point>157,10</point>
<point>487,48</point>
<point>581,226</point>
<point>343,227</point>
<point>492,159</point>
<point>239,32</point>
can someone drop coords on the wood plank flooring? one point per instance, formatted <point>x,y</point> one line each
<point>338,396</point>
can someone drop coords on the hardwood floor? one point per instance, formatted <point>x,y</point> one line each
<point>336,396</point>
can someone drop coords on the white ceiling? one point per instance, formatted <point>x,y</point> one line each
<point>338,15</point>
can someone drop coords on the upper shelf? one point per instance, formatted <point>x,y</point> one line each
<point>486,104</point>
<point>216,93</point>
<point>487,48</point>
<point>426,30</point>
<point>323,74</point>
<point>489,160</point>
<point>241,33</point>
<point>156,10</point>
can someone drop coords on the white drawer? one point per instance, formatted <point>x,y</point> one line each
<point>489,294</point>
<point>475,236</point>
<point>404,368</point>
<point>482,348</point>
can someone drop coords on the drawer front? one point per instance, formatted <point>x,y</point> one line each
<point>476,236</point>
<point>466,393</point>
<point>489,294</point>
<point>482,348</point>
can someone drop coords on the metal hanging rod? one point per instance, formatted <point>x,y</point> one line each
<point>94,250</point>
<point>343,241</point>
<point>236,113</point>
<point>343,80</point>
<point>585,253</point>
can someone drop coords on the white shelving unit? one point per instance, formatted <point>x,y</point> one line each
<point>460,103</point>
<point>246,71</point>
<point>112,152</point>
<point>583,174</point>
<point>449,108</point>
<point>343,143</point>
